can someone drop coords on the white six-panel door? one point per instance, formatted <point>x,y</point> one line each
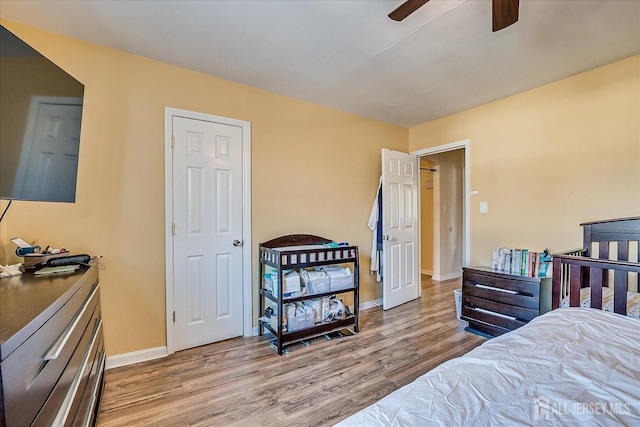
<point>49,165</point>
<point>400,222</point>
<point>207,212</point>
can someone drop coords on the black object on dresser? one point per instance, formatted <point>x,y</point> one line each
<point>51,349</point>
<point>495,302</point>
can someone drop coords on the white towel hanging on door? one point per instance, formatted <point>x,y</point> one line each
<point>375,225</point>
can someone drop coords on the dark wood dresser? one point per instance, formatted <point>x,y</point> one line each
<point>496,302</point>
<point>51,349</point>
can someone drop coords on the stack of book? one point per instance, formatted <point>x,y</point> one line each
<point>522,262</point>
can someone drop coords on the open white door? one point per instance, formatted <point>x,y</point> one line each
<point>400,228</point>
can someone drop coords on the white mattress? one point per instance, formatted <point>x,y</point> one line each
<point>571,366</point>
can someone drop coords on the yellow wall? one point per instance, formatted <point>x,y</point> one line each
<point>315,170</point>
<point>550,158</point>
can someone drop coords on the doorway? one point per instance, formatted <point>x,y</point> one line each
<point>208,235</point>
<point>448,246</point>
<point>427,175</point>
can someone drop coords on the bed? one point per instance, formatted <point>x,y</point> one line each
<point>571,366</point>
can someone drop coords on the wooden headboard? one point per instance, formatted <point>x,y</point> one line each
<point>624,231</point>
<point>580,268</point>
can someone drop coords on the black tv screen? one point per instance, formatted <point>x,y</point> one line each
<point>40,121</point>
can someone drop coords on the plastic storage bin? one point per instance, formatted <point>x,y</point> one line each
<point>316,282</point>
<point>320,307</point>
<point>291,283</point>
<point>340,278</point>
<point>273,322</point>
<point>318,286</point>
<point>457,293</point>
<point>339,283</point>
<point>300,321</point>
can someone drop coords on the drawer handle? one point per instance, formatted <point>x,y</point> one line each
<point>493,313</point>
<point>491,288</point>
<point>99,375</point>
<point>65,408</point>
<point>57,346</point>
<point>94,391</point>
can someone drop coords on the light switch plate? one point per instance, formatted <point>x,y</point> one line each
<point>483,207</point>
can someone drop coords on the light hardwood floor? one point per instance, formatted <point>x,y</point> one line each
<point>244,382</point>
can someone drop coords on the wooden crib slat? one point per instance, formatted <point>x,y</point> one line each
<point>557,279</point>
<point>620,280</point>
<point>603,253</point>
<point>574,286</point>
<point>620,286</point>
<point>603,250</point>
<point>595,277</point>
<point>623,250</point>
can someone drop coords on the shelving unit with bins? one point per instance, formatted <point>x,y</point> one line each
<point>296,252</point>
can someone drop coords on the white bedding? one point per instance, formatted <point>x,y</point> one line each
<point>571,366</point>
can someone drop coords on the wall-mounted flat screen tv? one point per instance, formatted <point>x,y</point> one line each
<point>40,121</point>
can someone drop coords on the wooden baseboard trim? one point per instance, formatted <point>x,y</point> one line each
<point>371,304</point>
<point>135,357</point>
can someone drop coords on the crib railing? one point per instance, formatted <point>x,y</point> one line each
<point>563,278</point>
<point>592,267</point>
<point>573,272</point>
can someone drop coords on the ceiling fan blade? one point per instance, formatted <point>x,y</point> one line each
<point>406,9</point>
<point>505,13</point>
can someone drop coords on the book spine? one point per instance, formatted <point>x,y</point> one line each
<point>512,264</point>
<point>525,262</point>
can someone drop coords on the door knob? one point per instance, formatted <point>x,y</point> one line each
<point>237,243</point>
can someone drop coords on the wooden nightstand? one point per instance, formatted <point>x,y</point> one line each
<point>496,302</point>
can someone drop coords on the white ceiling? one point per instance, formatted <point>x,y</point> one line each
<point>349,55</point>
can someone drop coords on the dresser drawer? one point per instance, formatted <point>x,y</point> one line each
<point>66,399</point>
<point>486,323</point>
<point>496,302</point>
<point>32,370</point>
<point>88,409</point>
<point>515,311</point>
<point>522,293</point>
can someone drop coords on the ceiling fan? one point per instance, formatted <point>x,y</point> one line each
<point>505,12</point>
